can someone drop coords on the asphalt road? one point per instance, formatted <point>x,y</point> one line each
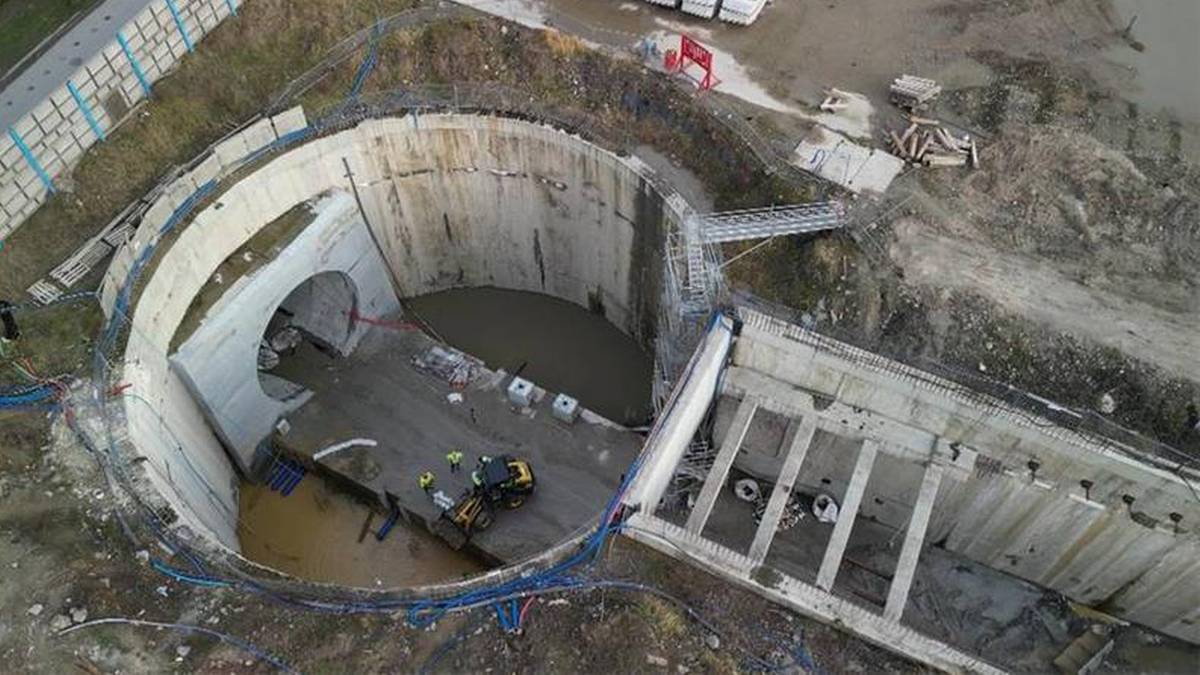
<point>60,61</point>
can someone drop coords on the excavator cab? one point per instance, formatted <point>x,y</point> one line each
<point>507,481</point>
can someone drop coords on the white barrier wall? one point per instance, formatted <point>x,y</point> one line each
<point>57,131</point>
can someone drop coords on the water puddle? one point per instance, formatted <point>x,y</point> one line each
<point>558,345</point>
<point>314,534</point>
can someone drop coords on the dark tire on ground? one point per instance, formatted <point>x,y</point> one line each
<point>484,520</point>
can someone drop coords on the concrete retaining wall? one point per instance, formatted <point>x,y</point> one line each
<point>1094,547</point>
<point>57,132</point>
<point>219,361</point>
<point>455,200</point>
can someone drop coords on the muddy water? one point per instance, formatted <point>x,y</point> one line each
<point>560,346</point>
<point>1168,69</point>
<point>313,534</point>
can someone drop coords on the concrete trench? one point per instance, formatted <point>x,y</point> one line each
<point>399,207</point>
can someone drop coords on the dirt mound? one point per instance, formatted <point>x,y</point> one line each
<point>1070,199</point>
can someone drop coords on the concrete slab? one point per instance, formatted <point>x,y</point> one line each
<point>377,394</point>
<point>834,157</point>
<point>720,469</point>
<point>797,450</point>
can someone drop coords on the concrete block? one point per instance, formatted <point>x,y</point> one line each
<point>179,191</point>
<point>231,151</point>
<point>565,408</point>
<point>26,127</point>
<point>208,170</point>
<point>98,67</point>
<point>9,192</point>
<point>10,156</point>
<point>162,55</point>
<point>288,121</point>
<point>259,135</point>
<point>175,45</point>
<point>520,392</point>
<point>155,217</point>
<point>46,114</point>
<point>68,149</point>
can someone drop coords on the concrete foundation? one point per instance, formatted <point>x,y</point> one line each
<point>914,460</point>
<point>452,200</point>
<point>376,393</point>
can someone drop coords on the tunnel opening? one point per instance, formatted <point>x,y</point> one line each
<point>320,313</point>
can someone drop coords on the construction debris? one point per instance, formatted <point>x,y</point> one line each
<point>927,142</point>
<point>914,93</point>
<point>448,364</point>
<point>835,101</point>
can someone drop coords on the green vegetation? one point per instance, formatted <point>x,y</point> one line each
<point>25,23</point>
<point>54,341</point>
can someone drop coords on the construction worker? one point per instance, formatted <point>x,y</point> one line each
<point>426,481</point>
<point>455,458</point>
<point>477,478</point>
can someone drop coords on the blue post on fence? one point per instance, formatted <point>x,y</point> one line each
<point>187,40</point>
<point>86,110</point>
<point>232,7</point>
<point>31,160</point>
<point>137,67</point>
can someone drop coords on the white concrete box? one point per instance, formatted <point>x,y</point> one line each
<point>520,392</point>
<point>565,408</point>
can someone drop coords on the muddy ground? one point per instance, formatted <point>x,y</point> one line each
<point>63,552</point>
<point>1065,266</point>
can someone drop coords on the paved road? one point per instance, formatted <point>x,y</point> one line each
<point>72,49</point>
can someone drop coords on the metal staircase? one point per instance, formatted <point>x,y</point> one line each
<point>701,234</point>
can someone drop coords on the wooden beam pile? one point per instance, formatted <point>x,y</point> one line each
<point>914,93</point>
<point>835,101</point>
<point>927,142</point>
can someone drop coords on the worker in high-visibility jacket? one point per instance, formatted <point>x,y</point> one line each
<point>454,457</point>
<point>425,480</point>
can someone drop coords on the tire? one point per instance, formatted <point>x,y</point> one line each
<point>484,520</point>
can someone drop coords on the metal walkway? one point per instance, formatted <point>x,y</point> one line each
<point>775,221</point>
<point>703,233</point>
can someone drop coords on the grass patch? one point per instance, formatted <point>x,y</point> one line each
<point>55,340</point>
<point>25,23</point>
<point>666,621</point>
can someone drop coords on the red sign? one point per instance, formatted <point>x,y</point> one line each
<point>696,52</point>
<point>690,50</point>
